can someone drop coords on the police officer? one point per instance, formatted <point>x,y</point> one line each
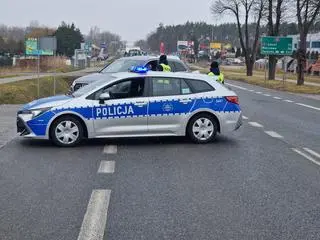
<point>215,72</point>
<point>163,64</point>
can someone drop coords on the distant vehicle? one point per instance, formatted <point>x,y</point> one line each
<point>102,55</point>
<point>123,64</point>
<point>138,104</point>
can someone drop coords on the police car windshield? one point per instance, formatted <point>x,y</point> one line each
<point>122,65</point>
<point>88,88</point>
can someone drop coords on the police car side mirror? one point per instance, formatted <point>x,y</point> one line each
<point>104,96</point>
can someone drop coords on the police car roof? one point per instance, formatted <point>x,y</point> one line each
<point>149,57</point>
<point>162,74</point>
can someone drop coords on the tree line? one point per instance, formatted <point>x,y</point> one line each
<point>253,19</point>
<point>69,37</point>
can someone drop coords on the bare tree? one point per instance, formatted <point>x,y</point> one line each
<point>250,8</point>
<point>276,10</point>
<point>308,11</point>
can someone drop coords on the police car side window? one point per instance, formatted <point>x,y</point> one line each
<point>169,86</point>
<point>180,67</point>
<point>198,86</point>
<point>172,66</point>
<point>123,89</point>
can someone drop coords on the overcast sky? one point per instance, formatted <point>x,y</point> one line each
<point>130,19</point>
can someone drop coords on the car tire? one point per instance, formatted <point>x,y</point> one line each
<point>202,128</point>
<point>66,131</point>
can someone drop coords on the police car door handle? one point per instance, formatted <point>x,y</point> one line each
<point>140,104</point>
<point>185,101</point>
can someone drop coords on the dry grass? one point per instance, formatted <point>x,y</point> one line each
<point>273,84</point>
<point>279,73</point>
<point>259,79</point>
<point>26,91</point>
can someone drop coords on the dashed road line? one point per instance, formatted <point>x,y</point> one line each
<point>251,90</point>
<point>277,98</point>
<point>273,134</point>
<point>95,218</point>
<point>236,86</point>
<point>308,106</point>
<point>314,153</point>
<point>259,92</point>
<point>110,149</point>
<point>244,117</point>
<point>255,124</point>
<point>107,167</point>
<point>306,156</point>
<point>287,100</point>
<point>267,95</point>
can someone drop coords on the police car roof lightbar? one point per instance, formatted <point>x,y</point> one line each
<point>139,69</point>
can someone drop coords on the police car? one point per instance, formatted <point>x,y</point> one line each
<point>123,64</point>
<point>135,104</point>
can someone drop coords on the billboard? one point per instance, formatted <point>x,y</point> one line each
<point>186,47</point>
<point>215,45</point>
<point>33,46</point>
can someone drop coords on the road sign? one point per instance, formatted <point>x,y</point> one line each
<point>276,45</point>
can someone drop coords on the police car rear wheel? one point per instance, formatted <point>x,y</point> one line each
<point>67,131</point>
<point>202,128</point>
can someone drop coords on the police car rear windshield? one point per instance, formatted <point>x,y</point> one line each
<point>88,88</point>
<point>122,65</point>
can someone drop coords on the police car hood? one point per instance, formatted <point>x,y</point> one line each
<point>90,78</point>
<point>47,102</point>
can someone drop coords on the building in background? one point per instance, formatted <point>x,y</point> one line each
<point>313,42</point>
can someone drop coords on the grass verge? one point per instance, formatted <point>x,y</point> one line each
<point>259,80</point>
<point>279,74</point>
<point>8,76</point>
<point>25,91</point>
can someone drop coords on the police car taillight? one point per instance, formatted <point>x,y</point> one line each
<point>233,99</point>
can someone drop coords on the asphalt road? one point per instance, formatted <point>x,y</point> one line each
<point>259,183</point>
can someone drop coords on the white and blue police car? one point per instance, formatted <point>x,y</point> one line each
<point>139,103</point>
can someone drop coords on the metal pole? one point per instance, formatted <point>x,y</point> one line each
<point>265,72</point>
<point>38,73</point>
<point>285,70</point>
<point>54,73</point>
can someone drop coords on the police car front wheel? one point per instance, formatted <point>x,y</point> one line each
<point>66,131</point>
<point>202,128</point>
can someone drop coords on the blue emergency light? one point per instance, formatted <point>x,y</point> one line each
<point>139,69</point>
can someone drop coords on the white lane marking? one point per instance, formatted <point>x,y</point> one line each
<point>306,156</point>
<point>273,134</point>
<point>244,117</point>
<point>308,106</point>
<point>107,167</point>
<point>277,98</point>
<point>110,149</point>
<point>314,153</point>
<point>95,219</point>
<point>287,100</point>
<point>251,90</point>
<point>267,95</point>
<point>236,86</point>
<point>255,124</point>
<point>259,92</point>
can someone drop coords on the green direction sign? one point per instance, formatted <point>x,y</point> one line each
<point>276,45</point>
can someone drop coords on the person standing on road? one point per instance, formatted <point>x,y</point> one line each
<point>163,64</point>
<point>215,72</point>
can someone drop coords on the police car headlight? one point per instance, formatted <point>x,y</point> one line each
<point>34,112</point>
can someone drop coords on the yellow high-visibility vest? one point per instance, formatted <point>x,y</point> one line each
<point>220,77</point>
<point>166,68</point>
